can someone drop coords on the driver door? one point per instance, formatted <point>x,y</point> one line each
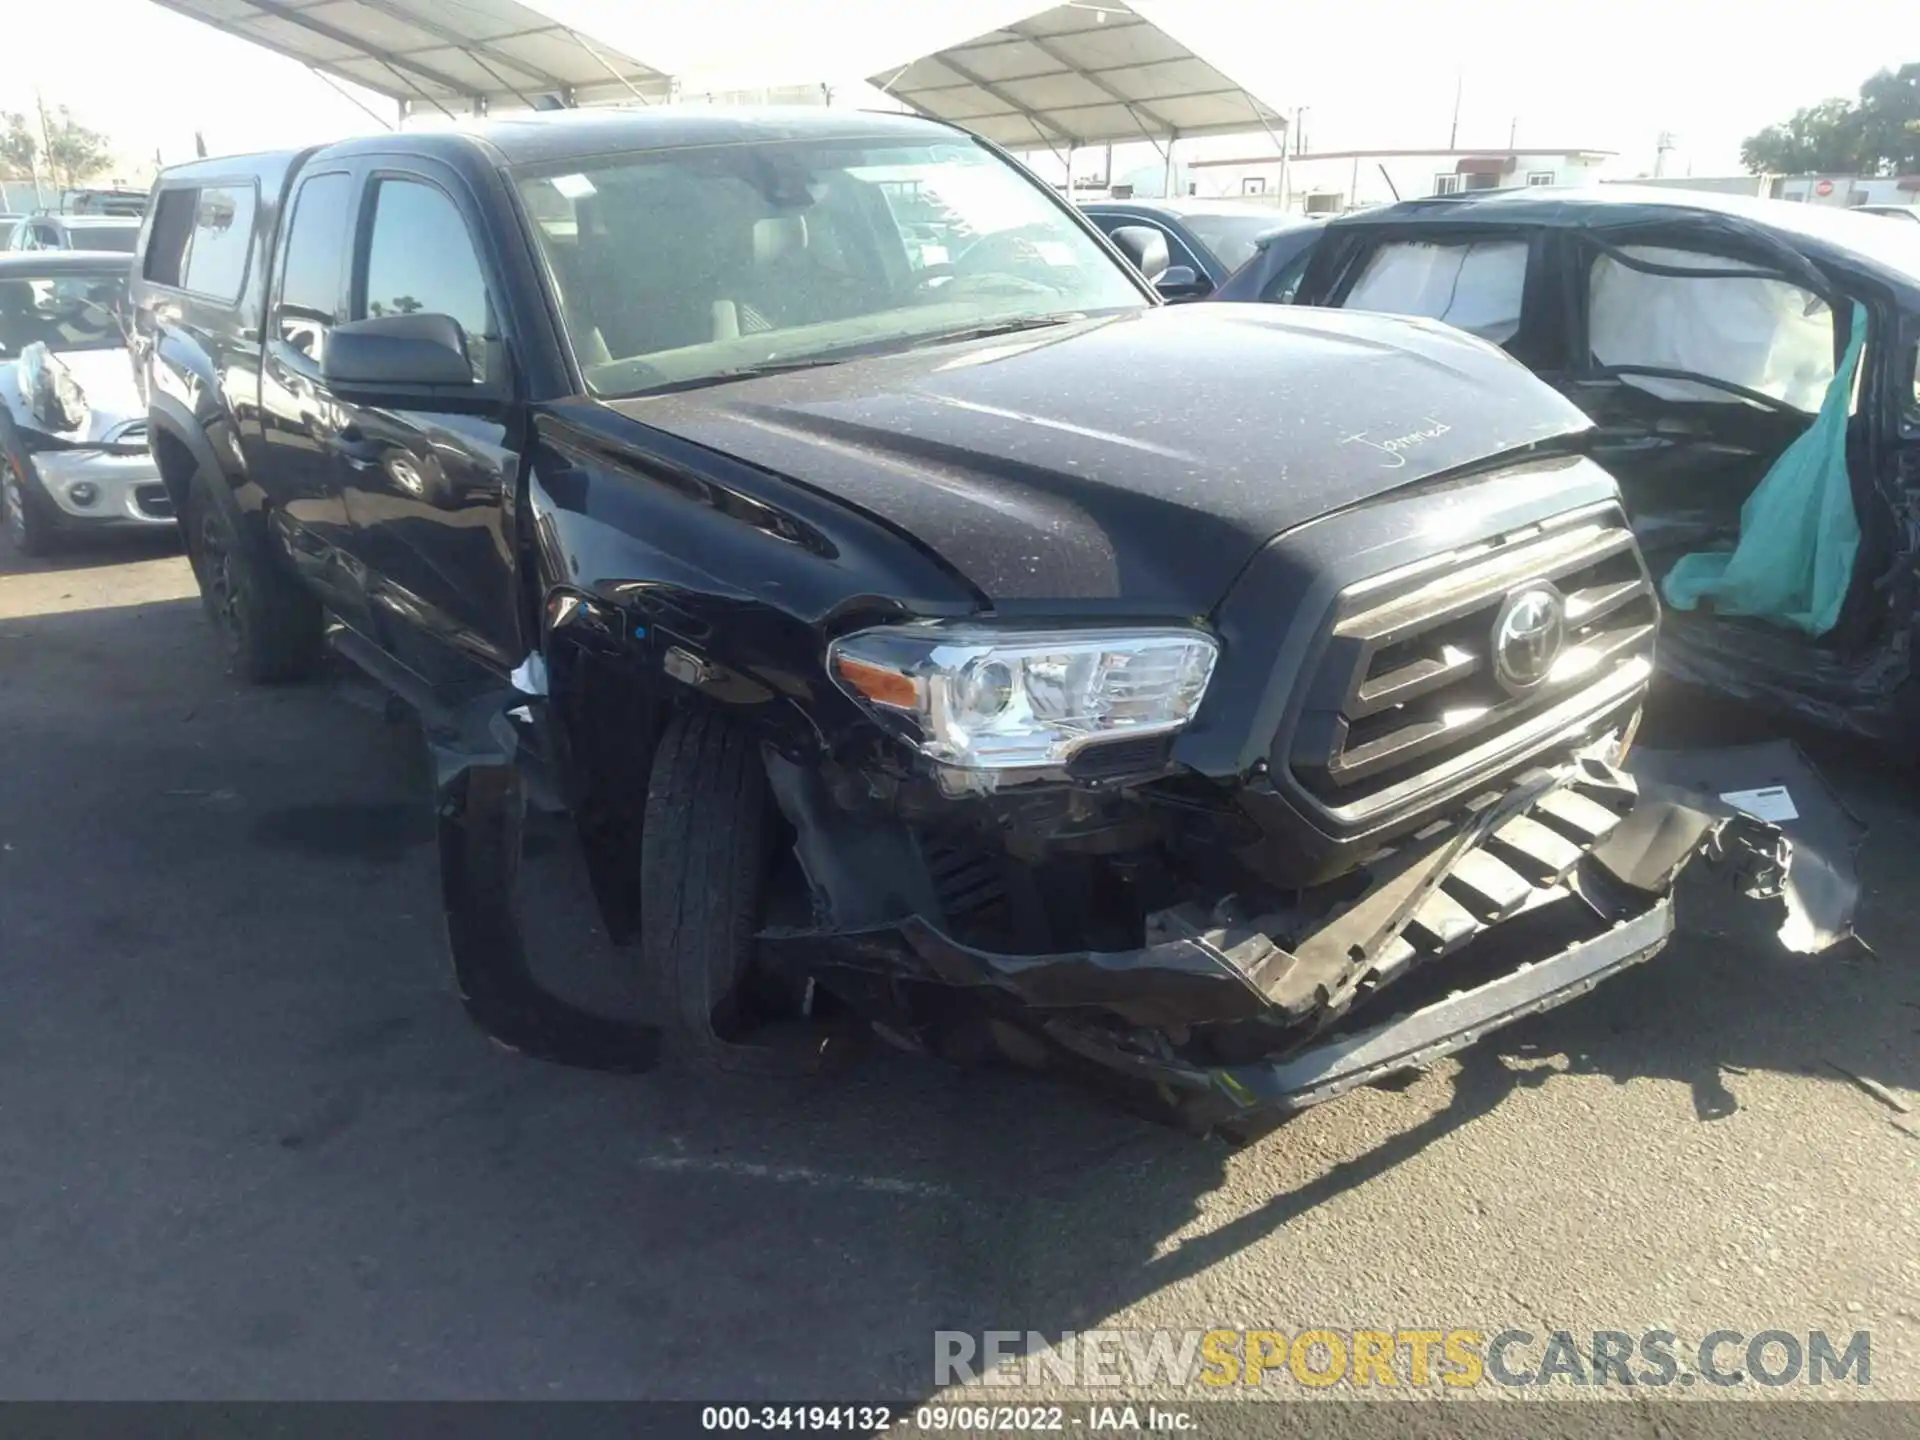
<point>429,493</point>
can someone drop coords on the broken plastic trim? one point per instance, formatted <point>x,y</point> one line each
<point>481,803</point>
<point>1345,1062</point>
<point>1239,973</point>
<point>1821,884</point>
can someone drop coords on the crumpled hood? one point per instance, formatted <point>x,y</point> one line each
<point>105,379</point>
<point>1144,457</point>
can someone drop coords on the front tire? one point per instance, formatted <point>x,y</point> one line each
<point>705,853</point>
<point>268,626</point>
<point>25,516</point>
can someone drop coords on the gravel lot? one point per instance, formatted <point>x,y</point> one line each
<point>254,1149</point>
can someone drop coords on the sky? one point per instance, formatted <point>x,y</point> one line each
<point>1376,74</point>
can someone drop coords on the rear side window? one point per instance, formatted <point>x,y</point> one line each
<point>222,238</point>
<point>1757,330</point>
<point>420,258</point>
<point>165,260</point>
<point>1475,285</point>
<point>310,271</point>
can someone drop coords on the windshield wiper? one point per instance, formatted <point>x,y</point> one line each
<point>861,351</point>
<point>1005,327</point>
<point>745,372</point>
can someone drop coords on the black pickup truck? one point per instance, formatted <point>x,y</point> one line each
<point>926,628</point>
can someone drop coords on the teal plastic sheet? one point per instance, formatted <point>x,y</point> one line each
<point>1798,530</point>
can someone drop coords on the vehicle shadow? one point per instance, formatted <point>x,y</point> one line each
<point>325,1183</point>
<point>84,550</point>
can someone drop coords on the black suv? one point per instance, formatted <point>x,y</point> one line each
<point>921,622</point>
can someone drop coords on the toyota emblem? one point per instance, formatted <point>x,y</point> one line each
<point>1527,636</point>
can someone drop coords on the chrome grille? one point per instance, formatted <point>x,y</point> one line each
<point>1406,697</point>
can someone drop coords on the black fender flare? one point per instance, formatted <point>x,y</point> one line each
<point>167,416</point>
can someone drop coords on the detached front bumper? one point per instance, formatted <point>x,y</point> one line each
<point>1520,907</point>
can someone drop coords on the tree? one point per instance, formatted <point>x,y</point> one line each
<point>1821,137</point>
<point>1877,135</point>
<point>19,147</point>
<point>1889,118</point>
<point>74,153</point>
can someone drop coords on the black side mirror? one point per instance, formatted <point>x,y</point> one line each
<point>400,356</point>
<point>1145,246</point>
<point>1182,282</point>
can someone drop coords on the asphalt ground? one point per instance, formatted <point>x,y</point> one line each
<point>251,1147</point>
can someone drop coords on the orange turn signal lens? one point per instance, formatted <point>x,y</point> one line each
<point>879,684</point>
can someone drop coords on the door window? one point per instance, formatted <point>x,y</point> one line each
<point>309,301</point>
<point>1757,331</point>
<point>421,258</point>
<point>1475,285</point>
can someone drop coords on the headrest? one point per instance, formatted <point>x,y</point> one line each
<point>778,236</point>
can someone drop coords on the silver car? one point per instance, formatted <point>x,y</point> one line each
<point>73,431</point>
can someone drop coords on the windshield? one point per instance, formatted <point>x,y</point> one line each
<point>1231,237</point>
<point>67,311</point>
<point>105,237</point>
<point>683,266</point>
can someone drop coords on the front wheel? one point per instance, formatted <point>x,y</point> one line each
<point>705,853</point>
<point>24,512</point>
<point>268,626</point>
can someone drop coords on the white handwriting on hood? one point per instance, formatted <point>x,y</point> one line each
<point>1395,447</point>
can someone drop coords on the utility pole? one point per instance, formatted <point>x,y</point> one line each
<point>1292,146</point>
<point>1453,135</point>
<point>46,149</point>
<point>1513,133</point>
<point>1663,147</point>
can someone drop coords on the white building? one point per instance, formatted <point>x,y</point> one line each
<point>1329,181</point>
<point>1840,191</point>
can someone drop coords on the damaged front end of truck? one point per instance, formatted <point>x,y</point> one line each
<point>1448,831</point>
<point>1243,1005</point>
<point>1246,867</point>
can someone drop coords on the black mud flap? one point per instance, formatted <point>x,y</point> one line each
<point>1751,798</point>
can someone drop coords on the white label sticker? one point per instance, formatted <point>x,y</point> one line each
<point>1770,802</point>
<point>574,187</point>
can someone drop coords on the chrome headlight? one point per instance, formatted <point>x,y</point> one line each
<point>989,699</point>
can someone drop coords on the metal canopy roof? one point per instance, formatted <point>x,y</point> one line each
<point>444,53</point>
<point>1079,74</point>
